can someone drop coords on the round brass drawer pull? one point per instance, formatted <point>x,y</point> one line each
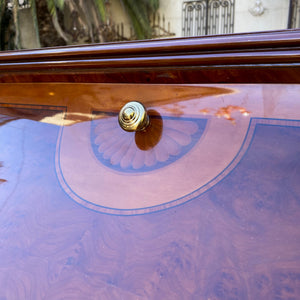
<point>133,117</point>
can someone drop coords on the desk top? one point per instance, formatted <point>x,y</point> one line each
<point>205,205</point>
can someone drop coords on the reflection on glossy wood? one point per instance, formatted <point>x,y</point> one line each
<point>226,112</point>
<point>1,180</point>
<point>149,138</point>
<point>270,57</point>
<point>82,99</point>
<point>239,243</point>
<point>164,141</point>
<point>239,239</point>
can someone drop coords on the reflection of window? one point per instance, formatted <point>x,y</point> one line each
<point>294,15</point>
<point>205,17</point>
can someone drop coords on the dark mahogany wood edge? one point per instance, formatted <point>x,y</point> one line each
<point>233,42</point>
<point>268,56</point>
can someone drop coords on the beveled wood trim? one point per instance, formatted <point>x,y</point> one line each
<point>260,40</point>
<point>205,59</point>
<point>171,60</point>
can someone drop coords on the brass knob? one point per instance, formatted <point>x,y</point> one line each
<point>133,117</point>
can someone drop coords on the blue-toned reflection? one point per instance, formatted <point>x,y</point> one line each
<point>166,140</point>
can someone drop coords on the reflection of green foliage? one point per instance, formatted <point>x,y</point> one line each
<point>100,4</point>
<point>51,7</point>
<point>2,24</point>
<point>138,11</point>
<point>53,4</point>
<point>2,6</point>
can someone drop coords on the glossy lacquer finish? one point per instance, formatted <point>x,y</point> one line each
<point>264,57</point>
<point>204,204</point>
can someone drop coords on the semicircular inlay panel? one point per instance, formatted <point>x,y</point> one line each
<point>109,170</point>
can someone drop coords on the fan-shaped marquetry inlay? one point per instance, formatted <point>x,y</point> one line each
<point>163,142</point>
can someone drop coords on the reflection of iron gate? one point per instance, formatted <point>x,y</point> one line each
<point>294,14</point>
<point>205,17</point>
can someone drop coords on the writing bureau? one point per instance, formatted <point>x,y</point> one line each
<point>204,203</point>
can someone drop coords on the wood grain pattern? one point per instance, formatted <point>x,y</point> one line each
<point>223,245</point>
<point>272,57</point>
<point>238,240</point>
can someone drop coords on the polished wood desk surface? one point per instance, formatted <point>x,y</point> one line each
<point>203,205</point>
